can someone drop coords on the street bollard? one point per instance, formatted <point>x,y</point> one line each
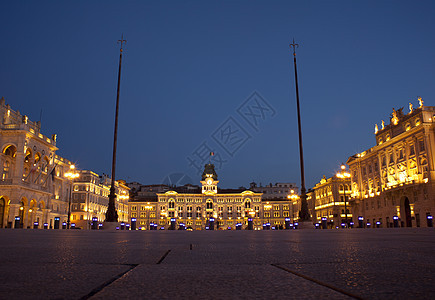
<point>324,223</point>
<point>35,225</point>
<point>396,221</point>
<point>360,222</point>
<point>17,223</point>
<point>64,225</point>
<point>250,224</point>
<point>100,226</point>
<point>56,222</point>
<point>287,223</point>
<point>295,226</point>
<point>122,226</point>
<point>429,221</point>
<point>133,223</point>
<point>172,224</point>
<point>211,224</point>
<point>378,224</point>
<point>238,226</point>
<point>45,225</point>
<point>127,226</point>
<point>94,224</point>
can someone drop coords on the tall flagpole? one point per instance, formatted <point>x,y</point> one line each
<point>112,214</point>
<point>303,214</point>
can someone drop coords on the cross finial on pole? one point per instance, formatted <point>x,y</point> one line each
<point>122,41</point>
<point>294,47</point>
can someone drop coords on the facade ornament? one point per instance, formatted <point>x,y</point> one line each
<point>411,109</point>
<point>420,101</point>
<point>376,128</point>
<point>394,118</point>
<point>383,125</point>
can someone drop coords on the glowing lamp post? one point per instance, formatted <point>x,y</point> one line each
<point>71,175</point>
<point>148,208</point>
<point>293,197</point>
<point>344,175</point>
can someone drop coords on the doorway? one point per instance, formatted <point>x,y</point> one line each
<point>408,220</point>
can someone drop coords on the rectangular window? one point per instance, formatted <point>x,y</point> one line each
<point>266,214</point>
<point>133,207</point>
<point>421,144</point>
<point>411,150</point>
<point>276,214</point>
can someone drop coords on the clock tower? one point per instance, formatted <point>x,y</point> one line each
<point>209,180</point>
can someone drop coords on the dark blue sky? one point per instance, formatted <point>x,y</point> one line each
<point>189,65</point>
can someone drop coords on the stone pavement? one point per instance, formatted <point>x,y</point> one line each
<point>305,264</point>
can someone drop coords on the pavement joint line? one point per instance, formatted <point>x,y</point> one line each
<point>109,282</point>
<point>163,257</point>
<point>318,282</point>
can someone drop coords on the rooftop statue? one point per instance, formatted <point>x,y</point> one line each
<point>420,101</point>
<point>411,109</point>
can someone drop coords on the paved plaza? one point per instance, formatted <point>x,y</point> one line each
<point>304,264</point>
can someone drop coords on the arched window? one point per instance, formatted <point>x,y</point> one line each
<point>341,187</point>
<point>248,204</point>
<point>28,156</point>
<point>10,151</point>
<point>37,158</point>
<point>171,203</point>
<point>209,204</point>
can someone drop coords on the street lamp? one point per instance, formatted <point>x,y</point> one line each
<point>344,175</point>
<point>293,197</point>
<point>148,207</point>
<point>71,175</point>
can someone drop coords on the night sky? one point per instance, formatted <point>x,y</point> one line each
<point>201,76</point>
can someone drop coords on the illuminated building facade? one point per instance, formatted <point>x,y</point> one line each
<point>33,187</point>
<point>90,199</point>
<point>329,196</point>
<point>195,206</point>
<point>271,191</point>
<point>395,179</point>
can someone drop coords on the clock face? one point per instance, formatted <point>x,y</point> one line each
<point>209,181</point>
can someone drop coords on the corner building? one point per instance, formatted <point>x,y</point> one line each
<point>90,199</point>
<point>395,180</point>
<point>329,196</point>
<point>33,189</point>
<point>194,207</point>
